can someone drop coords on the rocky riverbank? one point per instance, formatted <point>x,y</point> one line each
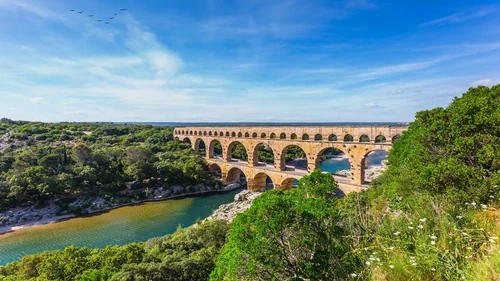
<point>371,173</point>
<point>22,217</point>
<point>242,202</point>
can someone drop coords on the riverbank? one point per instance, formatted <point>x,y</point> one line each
<point>371,173</point>
<point>22,217</point>
<point>242,202</point>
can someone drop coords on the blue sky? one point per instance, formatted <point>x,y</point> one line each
<point>220,60</point>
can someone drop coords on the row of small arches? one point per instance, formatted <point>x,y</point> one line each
<point>317,137</point>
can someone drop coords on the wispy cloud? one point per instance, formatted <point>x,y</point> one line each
<point>485,82</point>
<point>460,17</point>
<point>37,100</point>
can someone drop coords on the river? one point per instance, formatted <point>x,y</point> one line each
<point>126,224</point>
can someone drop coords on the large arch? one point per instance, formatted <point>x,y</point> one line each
<point>261,181</point>
<point>215,149</point>
<point>200,147</point>
<point>237,151</point>
<point>186,140</point>
<point>262,154</point>
<point>373,163</point>
<point>287,184</point>
<point>333,160</point>
<point>293,156</point>
<point>234,175</point>
<point>216,170</point>
<point>282,136</point>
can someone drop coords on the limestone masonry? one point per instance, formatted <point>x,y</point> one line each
<point>355,142</point>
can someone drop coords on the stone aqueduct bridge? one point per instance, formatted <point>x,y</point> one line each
<point>355,142</point>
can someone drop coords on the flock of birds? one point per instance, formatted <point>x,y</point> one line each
<point>100,20</point>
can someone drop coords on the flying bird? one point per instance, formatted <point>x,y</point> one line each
<point>111,18</point>
<point>116,14</point>
<point>123,9</point>
<point>107,22</point>
<point>71,10</point>
<point>91,16</point>
<point>99,20</point>
<point>80,12</point>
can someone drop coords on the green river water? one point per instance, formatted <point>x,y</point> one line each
<point>127,224</point>
<point>119,226</point>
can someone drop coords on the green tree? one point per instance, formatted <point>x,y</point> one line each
<point>289,235</point>
<point>453,150</point>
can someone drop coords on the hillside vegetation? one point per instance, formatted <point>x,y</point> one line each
<point>41,162</point>
<point>433,215</point>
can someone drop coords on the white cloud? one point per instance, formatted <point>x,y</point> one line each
<point>37,100</point>
<point>485,82</point>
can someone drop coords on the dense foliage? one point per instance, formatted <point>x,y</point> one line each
<point>188,254</point>
<point>41,161</point>
<point>433,215</point>
<point>293,235</point>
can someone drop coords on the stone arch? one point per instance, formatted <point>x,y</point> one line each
<point>287,184</point>
<point>260,181</point>
<point>200,146</point>
<point>215,169</point>
<point>191,132</point>
<point>187,140</point>
<point>240,135</point>
<point>195,133</point>
<point>348,138</point>
<point>233,134</point>
<point>364,138</point>
<point>260,151</point>
<point>298,163</point>
<point>263,135</point>
<point>282,136</point>
<point>182,132</point>
<point>254,135</point>
<point>272,136</point>
<point>221,134</point>
<point>215,149</point>
<point>373,157</point>
<point>242,152</point>
<point>380,139</point>
<point>210,133</point>
<point>227,134</point>
<point>247,135</point>
<point>395,138</point>
<point>234,175</point>
<point>318,137</point>
<point>332,137</point>
<point>305,137</point>
<point>336,158</point>
<point>293,136</point>
<point>215,133</point>
<point>204,133</point>
<point>199,133</point>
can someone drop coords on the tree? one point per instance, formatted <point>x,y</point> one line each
<point>453,150</point>
<point>82,154</point>
<point>289,235</point>
<point>138,163</point>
